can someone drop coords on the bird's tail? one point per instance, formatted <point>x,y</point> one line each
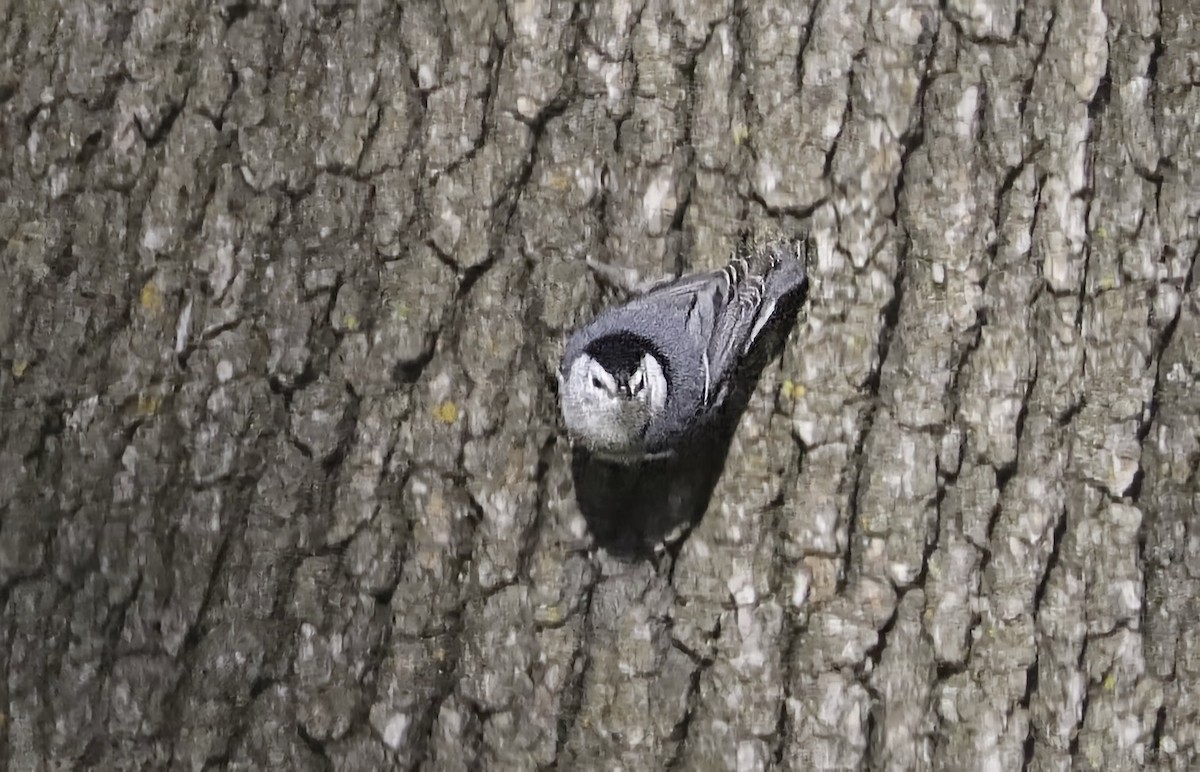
<point>782,270</point>
<point>784,266</point>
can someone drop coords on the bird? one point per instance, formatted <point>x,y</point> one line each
<point>646,377</point>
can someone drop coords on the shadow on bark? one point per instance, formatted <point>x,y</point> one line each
<point>639,510</point>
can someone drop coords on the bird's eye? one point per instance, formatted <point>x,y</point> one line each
<point>596,383</point>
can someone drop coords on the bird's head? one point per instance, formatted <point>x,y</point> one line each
<point>608,402</point>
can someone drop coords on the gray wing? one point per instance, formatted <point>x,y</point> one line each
<point>761,282</point>
<point>727,310</point>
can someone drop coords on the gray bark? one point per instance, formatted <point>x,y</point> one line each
<point>283,285</point>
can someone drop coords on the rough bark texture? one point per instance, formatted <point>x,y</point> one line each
<point>283,285</point>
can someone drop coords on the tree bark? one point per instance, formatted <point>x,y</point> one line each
<point>283,288</point>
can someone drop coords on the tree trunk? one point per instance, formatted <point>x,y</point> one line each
<point>282,292</point>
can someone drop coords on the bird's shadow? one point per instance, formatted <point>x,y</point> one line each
<point>636,511</point>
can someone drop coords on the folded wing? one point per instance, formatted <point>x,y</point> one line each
<point>751,289</point>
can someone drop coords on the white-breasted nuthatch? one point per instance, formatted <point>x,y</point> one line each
<point>646,376</point>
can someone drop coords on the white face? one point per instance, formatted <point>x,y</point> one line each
<point>606,415</point>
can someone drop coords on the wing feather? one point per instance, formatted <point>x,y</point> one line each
<point>755,291</point>
<point>732,331</point>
